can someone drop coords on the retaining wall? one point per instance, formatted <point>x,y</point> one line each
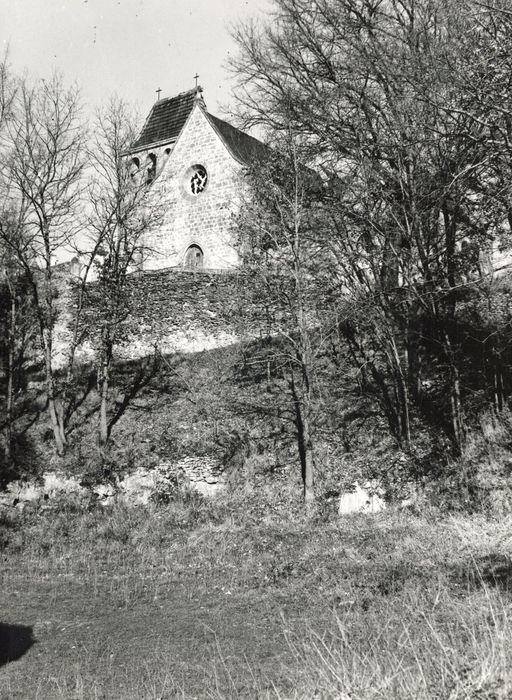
<point>174,310</point>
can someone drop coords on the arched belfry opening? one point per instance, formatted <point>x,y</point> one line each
<point>150,168</point>
<point>134,168</point>
<point>194,257</point>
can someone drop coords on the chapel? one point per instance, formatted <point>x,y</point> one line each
<point>193,163</point>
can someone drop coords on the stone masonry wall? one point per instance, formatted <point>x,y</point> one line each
<point>174,310</point>
<point>205,219</point>
<point>181,311</point>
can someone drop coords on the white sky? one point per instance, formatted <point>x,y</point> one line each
<point>128,47</point>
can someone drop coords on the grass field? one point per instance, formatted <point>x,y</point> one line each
<point>188,601</point>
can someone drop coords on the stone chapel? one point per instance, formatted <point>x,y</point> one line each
<point>193,162</point>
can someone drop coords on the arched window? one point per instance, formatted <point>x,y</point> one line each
<point>164,158</point>
<point>194,257</point>
<point>150,168</point>
<point>134,168</point>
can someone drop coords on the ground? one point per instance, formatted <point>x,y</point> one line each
<point>191,600</point>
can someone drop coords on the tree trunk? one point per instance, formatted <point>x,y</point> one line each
<point>10,378</point>
<point>54,406</point>
<point>55,419</point>
<point>458,419</point>
<point>308,466</point>
<point>402,391</point>
<point>498,396</point>
<point>498,388</point>
<point>69,394</point>
<point>458,423</point>
<point>308,463</point>
<point>450,225</point>
<point>103,427</point>
<point>304,442</point>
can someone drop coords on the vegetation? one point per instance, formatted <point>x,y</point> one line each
<point>41,177</point>
<point>117,223</point>
<point>390,102</point>
<point>379,353</point>
<point>279,227</point>
<point>365,241</point>
<point>208,600</point>
<point>63,191</point>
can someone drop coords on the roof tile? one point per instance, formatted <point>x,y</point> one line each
<point>243,147</point>
<point>166,119</point>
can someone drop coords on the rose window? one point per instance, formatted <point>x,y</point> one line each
<point>198,179</point>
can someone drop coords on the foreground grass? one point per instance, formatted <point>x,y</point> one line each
<point>190,601</point>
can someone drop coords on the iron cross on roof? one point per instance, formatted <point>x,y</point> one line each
<point>196,77</point>
<point>158,92</point>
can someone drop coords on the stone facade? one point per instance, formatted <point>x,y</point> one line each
<point>205,219</point>
<point>195,163</point>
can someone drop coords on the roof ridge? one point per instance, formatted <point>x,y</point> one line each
<point>175,97</point>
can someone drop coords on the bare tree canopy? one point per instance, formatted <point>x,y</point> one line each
<point>42,181</point>
<point>405,108</point>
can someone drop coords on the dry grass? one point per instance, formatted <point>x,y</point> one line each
<point>193,601</point>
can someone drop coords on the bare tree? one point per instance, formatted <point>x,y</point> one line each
<point>386,93</point>
<point>43,167</point>
<point>120,216</point>
<point>17,334</point>
<point>8,270</point>
<point>281,245</point>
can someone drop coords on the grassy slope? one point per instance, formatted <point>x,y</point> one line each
<point>215,402</point>
<point>190,601</point>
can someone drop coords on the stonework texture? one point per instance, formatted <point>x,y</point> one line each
<point>181,311</point>
<point>206,219</point>
<point>172,310</point>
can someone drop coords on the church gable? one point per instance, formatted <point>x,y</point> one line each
<point>193,162</point>
<point>198,189</point>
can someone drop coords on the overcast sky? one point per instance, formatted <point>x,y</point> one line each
<point>131,47</point>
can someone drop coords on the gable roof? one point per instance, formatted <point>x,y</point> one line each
<point>244,148</point>
<point>166,119</point>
